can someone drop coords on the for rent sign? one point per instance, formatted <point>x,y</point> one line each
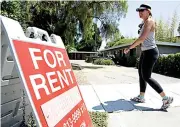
<point>50,84</point>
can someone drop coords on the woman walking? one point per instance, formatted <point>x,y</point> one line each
<point>149,56</point>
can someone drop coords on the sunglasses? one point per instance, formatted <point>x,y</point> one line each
<point>142,10</point>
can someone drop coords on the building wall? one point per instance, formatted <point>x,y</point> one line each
<point>168,49</point>
<point>80,55</point>
<point>163,49</point>
<point>120,52</point>
<point>138,51</point>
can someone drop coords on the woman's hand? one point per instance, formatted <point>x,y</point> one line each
<point>126,50</point>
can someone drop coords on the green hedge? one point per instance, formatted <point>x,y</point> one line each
<point>167,65</point>
<point>129,61</point>
<point>89,59</point>
<point>101,61</point>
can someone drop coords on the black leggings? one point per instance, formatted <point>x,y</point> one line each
<point>146,64</point>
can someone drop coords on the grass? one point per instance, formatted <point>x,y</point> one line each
<point>99,119</point>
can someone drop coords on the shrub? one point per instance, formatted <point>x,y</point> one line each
<point>89,59</point>
<point>127,61</point>
<point>101,61</point>
<point>122,61</point>
<point>98,61</point>
<point>99,119</point>
<point>131,61</point>
<point>107,62</point>
<point>137,62</point>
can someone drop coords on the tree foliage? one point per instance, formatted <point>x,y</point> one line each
<point>160,30</point>
<point>173,25</point>
<point>91,44</point>
<point>179,29</point>
<point>17,10</point>
<point>72,20</point>
<point>166,31</point>
<point>120,42</point>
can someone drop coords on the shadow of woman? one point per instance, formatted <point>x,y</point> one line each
<point>123,105</point>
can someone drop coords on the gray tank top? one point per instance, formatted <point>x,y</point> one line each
<point>149,42</point>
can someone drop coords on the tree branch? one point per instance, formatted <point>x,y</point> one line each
<point>95,2</point>
<point>97,18</point>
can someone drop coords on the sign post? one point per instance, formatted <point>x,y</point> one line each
<point>50,83</point>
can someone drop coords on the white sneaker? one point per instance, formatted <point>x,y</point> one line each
<point>138,99</point>
<point>167,102</point>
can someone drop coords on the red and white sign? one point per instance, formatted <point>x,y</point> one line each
<point>50,84</point>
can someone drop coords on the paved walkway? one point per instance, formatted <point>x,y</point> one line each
<point>111,88</point>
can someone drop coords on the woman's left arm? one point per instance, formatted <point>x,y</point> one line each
<point>147,28</point>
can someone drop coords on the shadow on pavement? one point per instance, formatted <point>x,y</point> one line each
<point>123,105</point>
